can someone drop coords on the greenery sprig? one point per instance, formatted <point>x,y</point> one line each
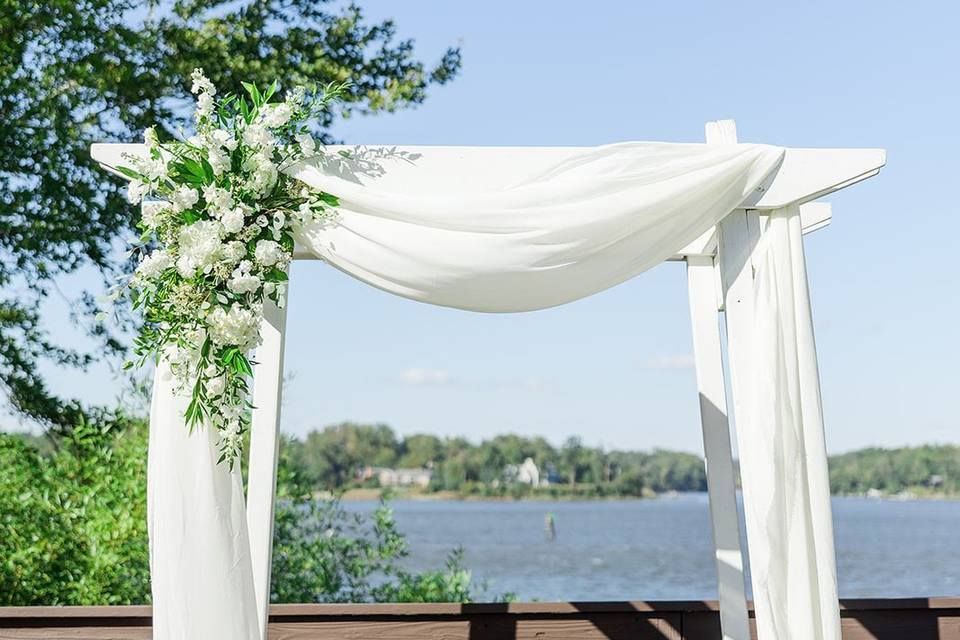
<point>219,243</point>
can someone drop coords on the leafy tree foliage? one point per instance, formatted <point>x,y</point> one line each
<point>330,459</point>
<point>73,73</point>
<point>73,523</point>
<point>73,532</point>
<point>934,469</point>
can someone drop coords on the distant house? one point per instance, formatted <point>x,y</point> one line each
<point>397,477</point>
<point>526,473</point>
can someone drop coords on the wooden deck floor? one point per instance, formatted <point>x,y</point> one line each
<point>893,619</point>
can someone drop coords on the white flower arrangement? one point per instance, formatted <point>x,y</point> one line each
<point>221,244</point>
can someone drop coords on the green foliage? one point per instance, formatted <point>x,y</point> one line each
<point>323,553</point>
<point>76,73</point>
<point>73,532</point>
<point>926,469</point>
<point>73,524</point>
<point>330,458</point>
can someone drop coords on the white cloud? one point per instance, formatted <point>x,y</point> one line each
<point>421,377</point>
<point>671,362</point>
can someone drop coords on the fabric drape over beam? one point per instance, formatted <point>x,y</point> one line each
<point>501,230</point>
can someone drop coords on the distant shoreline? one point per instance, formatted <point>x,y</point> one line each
<point>373,495</point>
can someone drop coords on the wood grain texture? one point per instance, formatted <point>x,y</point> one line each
<point>874,619</point>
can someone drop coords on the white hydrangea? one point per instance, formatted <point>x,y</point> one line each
<point>153,214</point>
<point>204,105</point>
<point>307,144</point>
<point>268,252</point>
<point>276,115</point>
<point>223,138</point>
<point>243,282</point>
<point>237,327</point>
<point>136,190</point>
<point>150,136</point>
<point>183,198</point>
<point>153,266</point>
<point>219,160</point>
<point>232,220</point>
<point>155,169</point>
<point>200,247</point>
<point>264,177</point>
<point>217,197</point>
<point>257,136</point>
<point>233,251</point>
<point>216,386</point>
<point>201,84</point>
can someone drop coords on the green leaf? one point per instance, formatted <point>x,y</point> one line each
<point>270,90</point>
<point>207,171</point>
<point>276,275</point>
<point>130,173</point>
<point>329,198</point>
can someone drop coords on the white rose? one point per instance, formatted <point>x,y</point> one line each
<point>268,252</point>
<point>184,197</point>
<point>242,282</point>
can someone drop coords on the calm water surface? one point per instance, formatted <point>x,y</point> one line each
<point>661,549</point>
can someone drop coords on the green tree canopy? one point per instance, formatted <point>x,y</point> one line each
<point>73,73</point>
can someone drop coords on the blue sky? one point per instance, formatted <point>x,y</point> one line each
<point>616,368</point>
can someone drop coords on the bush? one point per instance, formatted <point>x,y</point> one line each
<point>322,553</point>
<point>73,524</point>
<point>73,532</point>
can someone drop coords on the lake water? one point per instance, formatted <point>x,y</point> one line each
<point>661,549</point>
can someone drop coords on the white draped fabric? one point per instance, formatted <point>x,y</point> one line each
<point>501,230</point>
<point>786,490</point>
<point>200,572</point>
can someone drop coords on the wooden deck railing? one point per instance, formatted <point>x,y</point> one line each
<point>892,619</point>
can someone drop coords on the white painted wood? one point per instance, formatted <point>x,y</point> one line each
<point>739,234</point>
<point>718,454</point>
<point>264,447</point>
<point>813,217</point>
<point>808,174</point>
<point>804,175</point>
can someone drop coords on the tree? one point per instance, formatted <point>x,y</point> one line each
<point>73,531</point>
<point>75,73</point>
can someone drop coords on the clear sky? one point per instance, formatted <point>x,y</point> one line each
<point>616,368</point>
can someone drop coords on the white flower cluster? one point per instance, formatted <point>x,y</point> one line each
<point>224,239</point>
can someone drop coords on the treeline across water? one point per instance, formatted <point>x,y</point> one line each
<point>334,459</point>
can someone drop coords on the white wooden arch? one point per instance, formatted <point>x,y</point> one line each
<point>719,280</point>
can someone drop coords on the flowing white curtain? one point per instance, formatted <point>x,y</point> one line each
<point>200,571</point>
<point>498,230</point>
<point>783,458</point>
